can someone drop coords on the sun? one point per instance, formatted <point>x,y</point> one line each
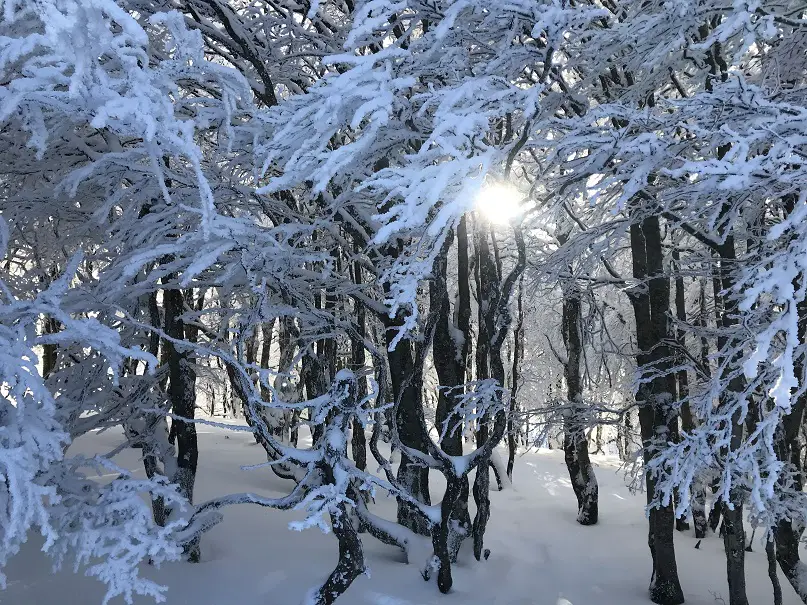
<point>499,203</point>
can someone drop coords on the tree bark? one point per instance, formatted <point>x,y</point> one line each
<point>770,552</point>
<point>406,387</point>
<point>494,322</point>
<point>651,302</point>
<point>487,278</point>
<point>351,555</point>
<point>687,418</point>
<point>407,381</point>
<point>358,358</point>
<point>155,446</point>
<point>575,444</point>
<point>726,315</point>
<point>450,353</point>
<point>786,536</point>
<point>49,350</point>
<point>518,356</point>
<point>182,395</point>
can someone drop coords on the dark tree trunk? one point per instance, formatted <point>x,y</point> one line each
<point>182,395</point>
<point>575,444</point>
<point>726,315</point>
<point>734,542</point>
<point>450,354</point>
<point>624,429</point>
<point>152,457</point>
<point>314,375</point>
<point>788,450</point>
<point>699,509</point>
<point>328,348</point>
<point>487,278</point>
<point>251,348</point>
<point>406,387</point>
<point>494,322</point>
<point>651,303</point>
<point>407,382</point>
<point>267,331</point>
<point>442,536</point>
<point>787,536</point>
<point>283,422</point>
<point>358,359</point>
<point>770,552</point>
<point>351,558</point>
<point>699,493</point>
<point>787,554</point>
<point>518,356</point>
<point>351,555</point>
<point>687,418</point>
<point>598,439</point>
<point>49,350</point>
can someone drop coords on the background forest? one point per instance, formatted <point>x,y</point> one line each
<point>400,243</point>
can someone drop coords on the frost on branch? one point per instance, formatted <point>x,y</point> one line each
<point>402,138</point>
<point>107,528</point>
<point>329,491</point>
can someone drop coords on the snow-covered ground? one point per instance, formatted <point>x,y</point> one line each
<point>539,554</point>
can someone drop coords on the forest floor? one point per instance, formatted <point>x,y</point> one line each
<point>539,554</point>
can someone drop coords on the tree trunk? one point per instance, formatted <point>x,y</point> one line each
<point>651,302</point>
<point>49,350</point>
<point>786,535</point>
<point>518,356</point>
<point>442,536</point>
<point>153,453</point>
<point>726,314</point>
<point>575,444</point>
<point>358,358</point>
<point>406,387</point>
<point>487,280</point>
<point>734,542</point>
<point>182,395</point>
<point>450,353</point>
<point>687,418</point>
<point>351,555</point>
<point>787,448</point>
<point>351,559</point>
<point>770,552</point>
<point>494,322</point>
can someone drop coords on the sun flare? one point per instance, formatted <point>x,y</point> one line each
<point>499,203</point>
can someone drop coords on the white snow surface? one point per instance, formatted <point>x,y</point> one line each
<point>539,554</point>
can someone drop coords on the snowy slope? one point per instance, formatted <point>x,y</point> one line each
<point>540,555</point>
